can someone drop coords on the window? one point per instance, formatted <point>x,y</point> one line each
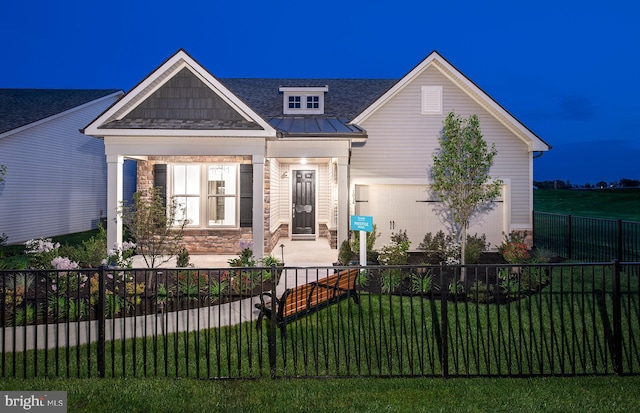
<point>222,183</point>
<point>294,102</point>
<point>304,100</point>
<point>186,190</point>
<point>313,102</point>
<point>214,203</point>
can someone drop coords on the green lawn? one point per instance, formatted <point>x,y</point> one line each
<point>576,394</point>
<point>599,203</point>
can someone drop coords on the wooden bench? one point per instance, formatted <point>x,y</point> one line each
<point>303,299</point>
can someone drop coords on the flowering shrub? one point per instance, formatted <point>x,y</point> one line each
<point>41,251</point>
<point>190,283</point>
<point>395,252</point>
<point>451,251</point>
<point>515,253</point>
<point>513,249</point>
<point>219,286</point>
<point>120,256</point>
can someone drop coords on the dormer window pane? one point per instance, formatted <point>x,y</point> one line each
<point>294,102</point>
<point>313,102</point>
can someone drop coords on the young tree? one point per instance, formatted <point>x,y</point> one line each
<point>155,226</point>
<point>460,174</point>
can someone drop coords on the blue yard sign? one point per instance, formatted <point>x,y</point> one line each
<point>361,223</point>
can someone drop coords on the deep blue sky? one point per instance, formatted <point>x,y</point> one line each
<point>567,69</point>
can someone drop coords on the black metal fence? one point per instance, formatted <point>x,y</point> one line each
<point>489,320</point>
<point>587,239</point>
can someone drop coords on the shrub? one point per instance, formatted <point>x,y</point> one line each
<point>396,252</point>
<point>362,280</point>
<point>244,259</point>
<point>345,254</point>
<point>476,245</point>
<point>433,245</point>
<point>515,253</point>
<point>182,258</point>
<point>514,249</point>
<point>390,279</point>
<point>190,283</point>
<point>480,292</point>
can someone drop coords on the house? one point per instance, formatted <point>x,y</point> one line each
<point>55,180</point>
<point>259,159</point>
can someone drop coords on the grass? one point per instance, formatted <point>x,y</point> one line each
<point>585,394</point>
<point>582,393</point>
<point>597,203</point>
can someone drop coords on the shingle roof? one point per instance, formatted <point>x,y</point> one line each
<point>191,124</point>
<point>20,107</point>
<point>346,98</point>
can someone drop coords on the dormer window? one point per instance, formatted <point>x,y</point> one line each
<point>303,100</point>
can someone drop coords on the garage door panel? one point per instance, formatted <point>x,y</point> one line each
<point>407,208</point>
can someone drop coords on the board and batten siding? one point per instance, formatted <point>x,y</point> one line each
<point>401,143</point>
<point>56,181</point>
<point>275,182</point>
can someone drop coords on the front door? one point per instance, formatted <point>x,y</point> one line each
<point>303,208</point>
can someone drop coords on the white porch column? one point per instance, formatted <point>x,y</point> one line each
<point>258,205</point>
<point>114,199</point>
<point>343,199</point>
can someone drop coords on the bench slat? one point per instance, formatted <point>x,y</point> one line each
<point>305,298</point>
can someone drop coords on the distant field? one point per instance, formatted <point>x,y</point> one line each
<point>602,203</point>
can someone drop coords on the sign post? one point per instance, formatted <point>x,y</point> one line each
<point>363,224</point>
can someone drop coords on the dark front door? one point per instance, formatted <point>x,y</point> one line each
<point>303,214</point>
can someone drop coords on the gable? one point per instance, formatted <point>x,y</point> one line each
<point>184,97</point>
<point>178,97</point>
<point>434,62</point>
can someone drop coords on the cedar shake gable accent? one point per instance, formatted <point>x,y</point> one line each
<point>184,102</point>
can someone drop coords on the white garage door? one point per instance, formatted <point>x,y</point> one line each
<point>397,208</point>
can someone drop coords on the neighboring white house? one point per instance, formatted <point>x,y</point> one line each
<point>55,180</point>
<point>257,159</point>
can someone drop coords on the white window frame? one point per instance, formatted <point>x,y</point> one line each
<point>303,93</point>
<point>203,194</point>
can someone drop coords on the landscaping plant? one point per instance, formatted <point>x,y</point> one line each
<point>156,226</point>
<point>460,175</point>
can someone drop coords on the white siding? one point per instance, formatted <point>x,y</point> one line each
<point>274,197</point>
<point>323,194</point>
<point>401,143</point>
<point>56,177</point>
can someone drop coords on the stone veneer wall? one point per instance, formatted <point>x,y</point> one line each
<point>201,240</point>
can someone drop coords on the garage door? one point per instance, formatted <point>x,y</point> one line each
<point>397,208</point>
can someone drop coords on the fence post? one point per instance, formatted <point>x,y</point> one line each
<point>617,318</point>
<point>273,326</point>
<point>569,236</point>
<point>444,327</point>
<point>100,315</point>
<point>620,257</point>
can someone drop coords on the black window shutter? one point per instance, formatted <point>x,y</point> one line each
<point>160,179</point>
<point>246,195</point>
